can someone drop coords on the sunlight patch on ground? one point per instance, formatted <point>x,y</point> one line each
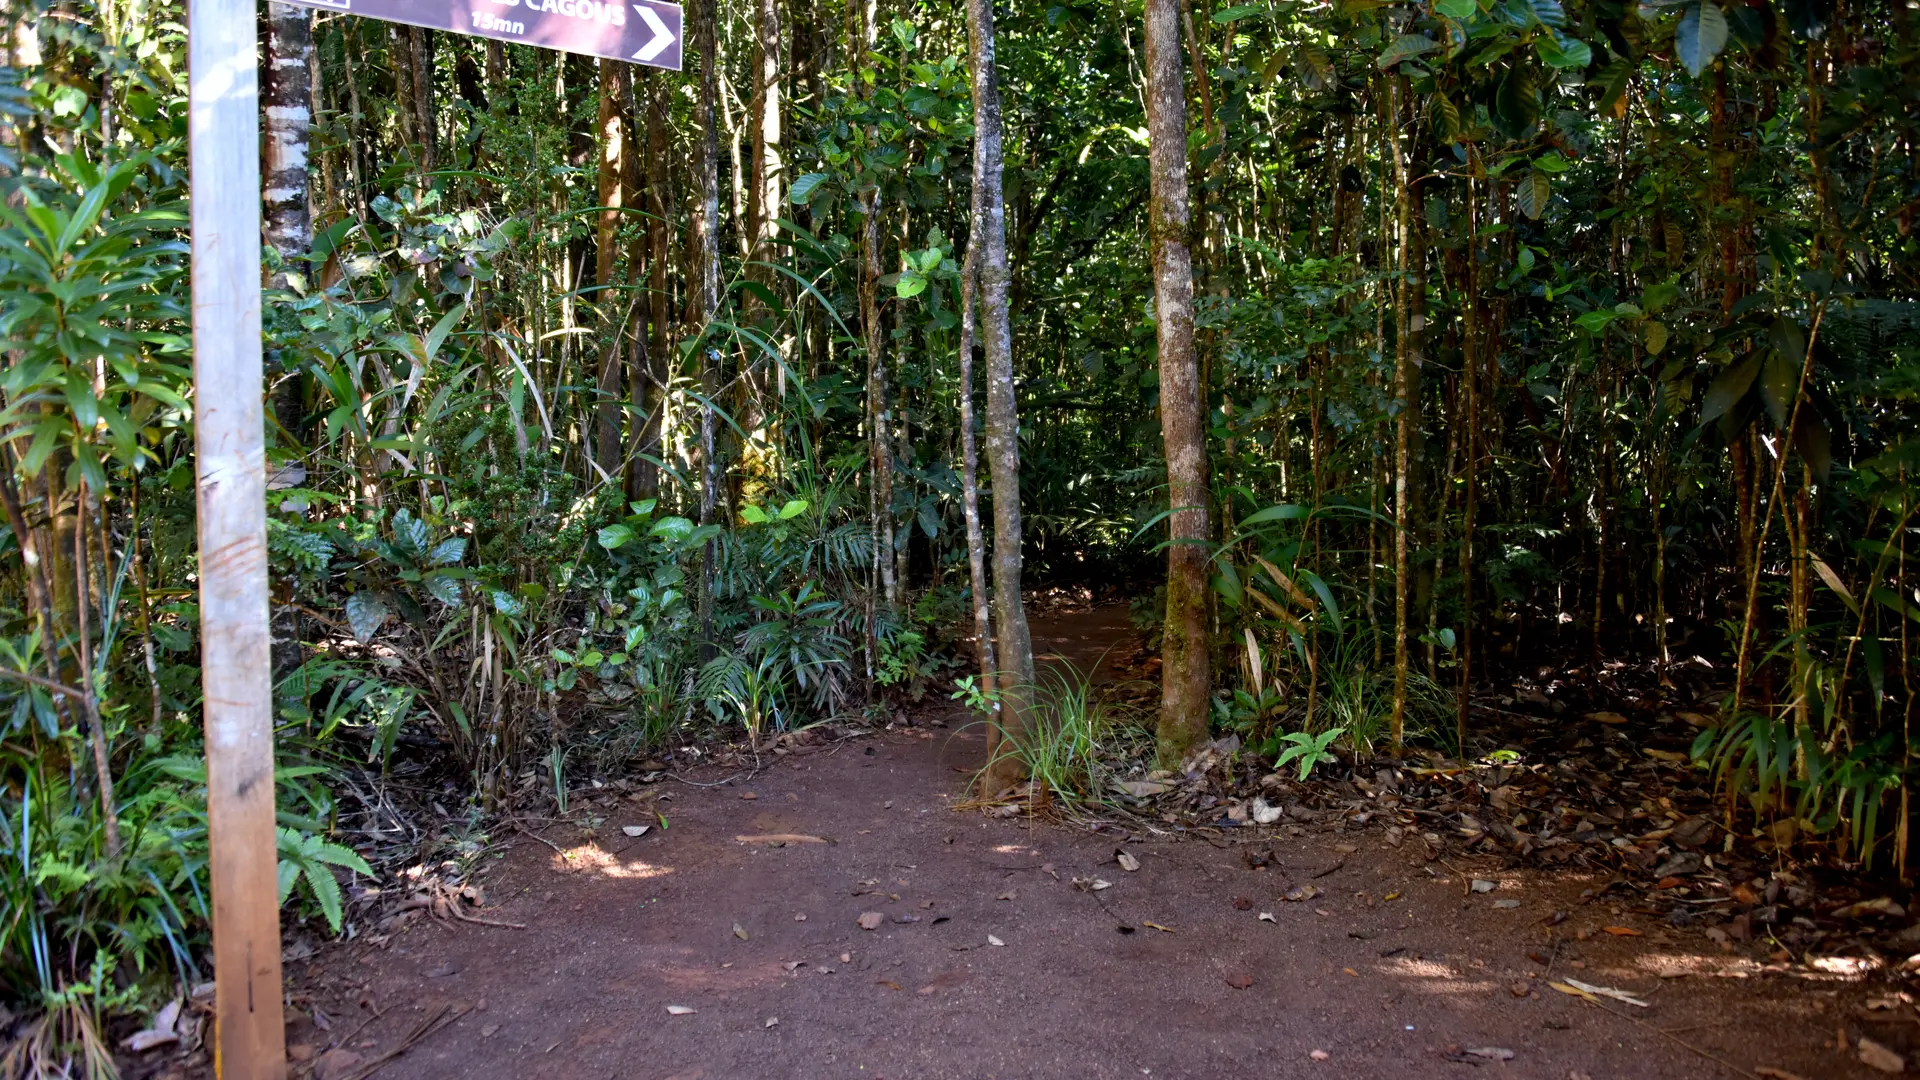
<point>1841,968</point>
<point>1438,978</point>
<point>1674,965</point>
<point>592,857</point>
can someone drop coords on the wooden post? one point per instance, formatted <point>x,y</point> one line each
<point>230,450</point>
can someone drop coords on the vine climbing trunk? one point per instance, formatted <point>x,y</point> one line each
<point>1186,674</point>
<point>987,251</point>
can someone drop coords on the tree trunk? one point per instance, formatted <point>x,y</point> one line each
<point>1408,356</point>
<point>652,337</point>
<point>420,69</point>
<point>607,446</point>
<point>763,207</point>
<point>705,294</point>
<point>286,99</point>
<point>1186,677</point>
<point>970,501</point>
<point>987,250</point>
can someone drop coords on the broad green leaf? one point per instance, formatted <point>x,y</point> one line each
<point>1405,47</point>
<point>1236,13</point>
<point>614,537</point>
<point>1596,321</point>
<point>1728,388</point>
<point>1700,37</point>
<point>1532,194</point>
<point>366,613</point>
<point>1456,9</point>
<point>804,188</point>
<point>793,509</point>
<point>1656,335</point>
<point>1316,67</point>
<point>448,551</point>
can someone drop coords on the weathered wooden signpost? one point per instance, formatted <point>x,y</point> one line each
<point>230,447</point>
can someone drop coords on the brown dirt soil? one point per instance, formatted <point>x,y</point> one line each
<point>990,963</point>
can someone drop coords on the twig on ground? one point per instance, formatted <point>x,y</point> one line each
<point>435,1020</point>
<point>556,847</point>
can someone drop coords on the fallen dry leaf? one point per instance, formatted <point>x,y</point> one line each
<point>870,920</point>
<point>1351,972</point>
<point>1875,1056</point>
<point>1621,931</point>
<point>1126,860</point>
<point>1491,1053</point>
<point>1239,982</point>
<point>739,931</point>
<point>888,983</point>
<point>1008,895</point>
<point>1319,1055</point>
<point>635,830</point>
<point>679,1010</point>
<point>487,1032</point>
<point>1605,718</point>
<point>1156,926</point>
<point>782,838</point>
<point>1267,916</point>
<point>991,940</point>
<point>1772,1073</point>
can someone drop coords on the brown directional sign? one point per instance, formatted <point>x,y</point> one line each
<point>637,31</point>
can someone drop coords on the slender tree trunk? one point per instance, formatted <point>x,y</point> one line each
<point>1470,375</point>
<point>420,69</point>
<point>763,207</point>
<point>706,292</point>
<point>1186,676</point>
<point>286,98</point>
<point>649,380</point>
<point>1408,356</point>
<point>607,445</point>
<point>987,251</point>
<point>970,501</point>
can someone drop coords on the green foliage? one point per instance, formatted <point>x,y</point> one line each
<point>1307,750</point>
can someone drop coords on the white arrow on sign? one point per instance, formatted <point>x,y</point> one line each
<point>662,37</point>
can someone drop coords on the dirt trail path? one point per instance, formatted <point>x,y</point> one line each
<point>989,963</point>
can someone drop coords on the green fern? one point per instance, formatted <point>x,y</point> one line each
<point>306,857</point>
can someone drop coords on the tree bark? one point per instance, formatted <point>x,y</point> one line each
<point>607,446</point>
<point>420,68</point>
<point>706,291</point>
<point>651,339</point>
<point>286,99</point>
<point>1186,675</point>
<point>987,254</point>
<point>970,500</point>
<point>1408,356</point>
<point>763,207</point>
